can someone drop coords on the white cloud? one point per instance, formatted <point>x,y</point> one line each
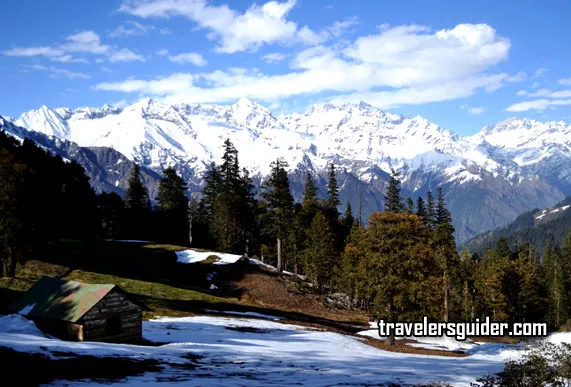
<point>397,66</point>
<point>535,85</point>
<point>565,81</point>
<point>189,57</point>
<point>473,110</point>
<point>546,93</point>
<point>49,52</point>
<point>131,28</point>
<point>162,52</point>
<point>273,57</point>
<point>540,105</point>
<point>125,55</point>
<point>56,72</point>
<point>165,31</point>
<point>339,27</point>
<point>85,42</point>
<point>235,31</point>
<point>106,69</point>
<point>541,71</point>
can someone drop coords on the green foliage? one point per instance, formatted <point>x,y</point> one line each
<point>333,191</point>
<point>430,210</point>
<point>137,197</point>
<point>279,211</point>
<point>393,200</point>
<point>319,255</point>
<point>42,198</point>
<point>545,364</point>
<point>172,192</point>
<point>400,273</point>
<point>310,191</point>
<point>348,219</point>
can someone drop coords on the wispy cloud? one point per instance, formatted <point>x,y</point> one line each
<point>162,52</point>
<point>85,42</point>
<point>125,55</point>
<point>565,81</point>
<point>539,105</point>
<point>131,28</point>
<point>473,110</point>
<point>189,57</point>
<point>56,72</point>
<point>273,57</point>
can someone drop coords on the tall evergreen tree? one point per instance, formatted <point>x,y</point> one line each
<point>319,252</point>
<point>310,191</point>
<point>276,192</point>
<point>421,210</point>
<point>172,205</point>
<point>172,192</point>
<point>401,274</point>
<point>409,206</point>
<point>348,219</point>
<point>393,200</point>
<point>430,210</point>
<point>137,197</point>
<point>556,277</point>
<point>446,252</point>
<point>333,191</point>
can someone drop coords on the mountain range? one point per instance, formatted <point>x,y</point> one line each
<point>488,178</point>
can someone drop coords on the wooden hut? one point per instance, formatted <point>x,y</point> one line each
<point>82,312</point>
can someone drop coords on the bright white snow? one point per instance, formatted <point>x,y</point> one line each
<point>238,351</point>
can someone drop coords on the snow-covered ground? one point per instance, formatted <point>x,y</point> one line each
<point>240,351</point>
<point>193,256</point>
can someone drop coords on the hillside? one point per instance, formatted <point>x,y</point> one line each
<point>489,178</point>
<point>535,226</point>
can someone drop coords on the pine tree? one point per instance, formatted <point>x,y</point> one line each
<point>172,192</point>
<point>393,200</point>
<point>445,247</point>
<point>172,208</point>
<point>137,197</point>
<point>13,230</point>
<point>319,253</point>
<point>400,272</point>
<point>556,276</point>
<point>333,192</point>
<point>351,263</point>
<point>138,207</point>
<point>421,210</point>
<point>430,210</point>
<point>409,206</point>
<point>503,249</point>
<point>276,192</point>
<point>310,192</point>
<point>348,219</point>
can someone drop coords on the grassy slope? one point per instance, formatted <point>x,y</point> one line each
<point>139,269</point>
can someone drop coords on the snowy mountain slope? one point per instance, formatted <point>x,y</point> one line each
<point>108,170</point>
<point>364,142</point>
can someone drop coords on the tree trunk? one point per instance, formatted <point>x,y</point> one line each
<point>445,283</point>
<point>279,264</point>
<point>190,232</point>
<point>13,263</point>
<point>465,299</point>
<point>4,268</point>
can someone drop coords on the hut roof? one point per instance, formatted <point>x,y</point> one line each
<point>60,299</point>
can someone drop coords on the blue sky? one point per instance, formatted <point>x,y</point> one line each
<point>459,64</point>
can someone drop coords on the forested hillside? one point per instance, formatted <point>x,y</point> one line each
<point>536,227</point>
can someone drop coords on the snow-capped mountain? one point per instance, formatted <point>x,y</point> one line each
<point>489,178</point>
